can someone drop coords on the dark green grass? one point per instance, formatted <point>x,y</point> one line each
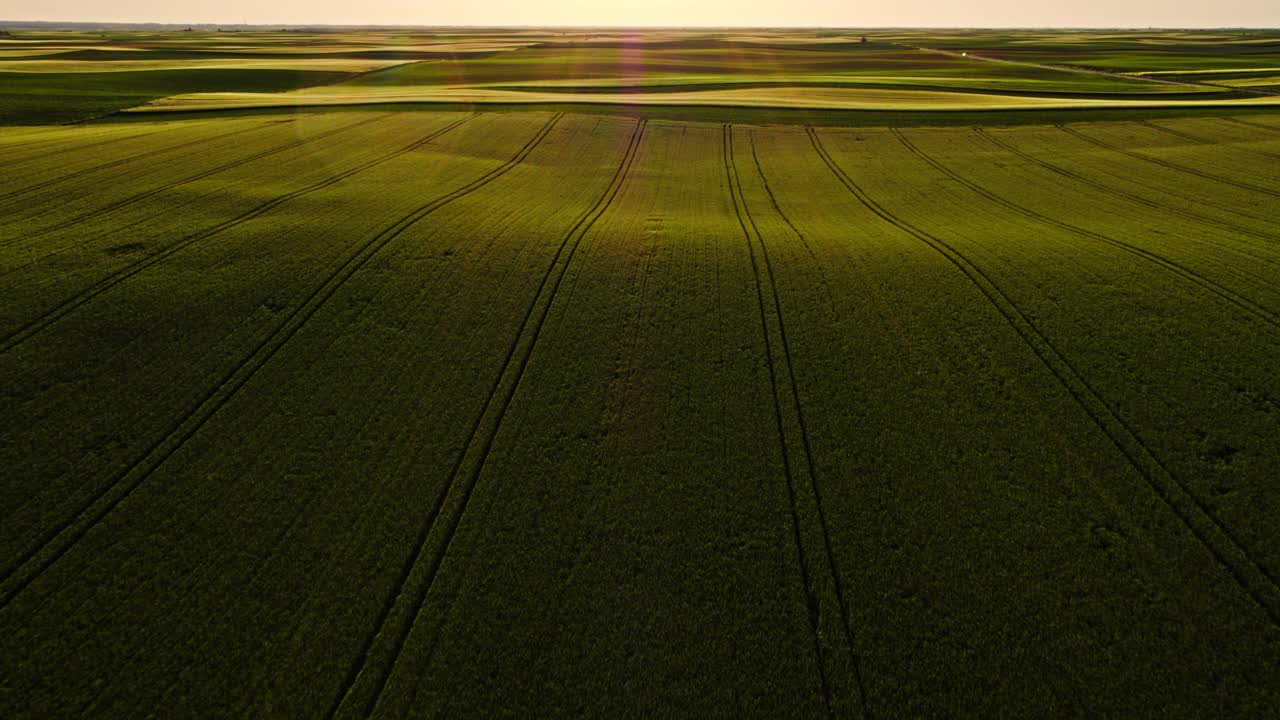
<point>548,63</point>
<point>746,115</point>
<point>54,98</point>
<point>852,83</point>
<point>169,53</point>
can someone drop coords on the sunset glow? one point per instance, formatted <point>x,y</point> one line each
<point>711,13</point>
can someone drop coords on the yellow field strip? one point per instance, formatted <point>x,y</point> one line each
<point>817,98</point>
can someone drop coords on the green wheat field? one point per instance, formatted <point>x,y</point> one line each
<point>530,373</point>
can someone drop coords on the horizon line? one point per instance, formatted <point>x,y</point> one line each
<point>379,26</point>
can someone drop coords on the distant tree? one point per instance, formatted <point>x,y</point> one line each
<point>864,38</point>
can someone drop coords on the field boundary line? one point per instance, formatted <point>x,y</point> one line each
<point>1205,141</point>
<point>128,479</point>
<point>1172,266</point>
<point>124,202</point>
<point>482,446</point>
<point>837,698</point>
<point>1232,555</point>
<point>1165,163</point>
<point>31,328</point>
<point>1058,169</point>
<point>129,159</point>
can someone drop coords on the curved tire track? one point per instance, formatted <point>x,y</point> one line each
<point>826,580</point>
<point>1223,293</point>
<point>49,548</point>
<point>126,161</point>
<point>1216,538</point>
<point>773,200</point>
<point>479,443</point>
<point>65,307</point>
<point>73,147</point>
<point>1133,197</point>
<point>111,207</point>
<point>1172,166</point>
<point>1261,126</point>
<point>1204,141</point>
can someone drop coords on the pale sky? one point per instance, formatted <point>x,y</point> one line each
<point>718,13</point>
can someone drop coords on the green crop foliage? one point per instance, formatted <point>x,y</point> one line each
<point>43,98</point>
<point>479,409</point>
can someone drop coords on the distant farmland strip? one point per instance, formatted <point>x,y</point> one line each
<point>189,179</point>
<point>1133,197</point>
<point>1251,575</point>
<point>24,332</point>
<point>471,461</point>
<point>1171,165</point>
<point>1186,273</point>
<point>838,662</point>
<point>44,553</point>
<point>129,159</point>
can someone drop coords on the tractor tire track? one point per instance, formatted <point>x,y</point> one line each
<point>1133,197</point>
<point>626,371</point>
<point>1164,189</point>
<point>33,327</point>
<point>21,573</point>
<point>1252,576</point>
<point>1223,293</point>
<point>111,207</point>
<point>804,241</point>
<point>1247,123</point>
<point>38,156</point>
<point>479,442</point>
<point>1172,166</point>
<point>1204,141</point>
<point>838,699</point>
<point>126,161</point>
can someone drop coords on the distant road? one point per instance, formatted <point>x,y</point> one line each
<point>1090,71</point>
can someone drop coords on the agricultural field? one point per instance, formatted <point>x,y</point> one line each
<point>771,374</point>
<point>57,77</point>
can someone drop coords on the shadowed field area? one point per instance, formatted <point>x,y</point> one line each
<point>456,411</point>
